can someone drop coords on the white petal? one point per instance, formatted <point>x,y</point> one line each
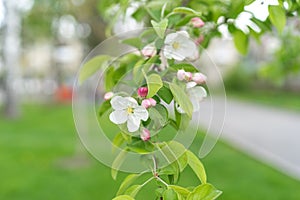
<point>196,104</point>
<point>183,33</point>
<point>119,103</point>
<point>118,116</point>
<point>191,84</point>
<point>131,102</point>
<point>177,55</point>
<point>141,113</point>
<point>170,38</point>
<point>133,123</point>
<point>197,92</point>
<point>167,51</point>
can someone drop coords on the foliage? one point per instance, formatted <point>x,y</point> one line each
<point>164,63</point>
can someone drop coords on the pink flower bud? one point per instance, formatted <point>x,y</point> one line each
<point>145,135</point>
<point>142,92</point>
<point>147,103</point>
<point>181,74</point>
<point>188,76</point>
<point>152,102</point>
<point>149,51</point>
<point>108,95</point>
<point>197,22</point>
<point>199,78</point>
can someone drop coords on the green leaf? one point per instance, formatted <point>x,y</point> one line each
<point>241,41</point>
<point>204,192</point>
<point>165,94</point>
<point>154,83</point>
<point>170,194</point>
<point>104,107</point>
<point>180,190</point>
<point>139,146</point>
<point>117,164</point>
<point>197,166</point>
<point>182,99</point>
<point>247,2</point>
<point>185,66</point>
<point>237,6</point>
<point>118,141</point>
<point>127,182</point>
<point>92,66</point>
<point>277,17</point>
<point>159,115</point>
<point>109,80</point>
<point>160,27</point>
<point>133,190</point>
<point>123,197</point>
<point>179,151</point>
<point>187,11</point>
<point>135,42</point>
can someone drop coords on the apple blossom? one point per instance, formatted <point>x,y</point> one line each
<point>179,46</point>
<point>145,134</point>
<point>196,94</point>
<point>142,92</point>
<point>126,109</point>
<point>181,74</point>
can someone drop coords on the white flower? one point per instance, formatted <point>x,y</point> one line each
<point>127,110</point>
<point>179,46</point>
<point>149,50</point>
<point>196,94</point>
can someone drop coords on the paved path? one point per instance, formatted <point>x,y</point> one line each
<point>269,134</point>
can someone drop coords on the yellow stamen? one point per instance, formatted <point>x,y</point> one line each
<point>129,110</point>
<point>175,45</point>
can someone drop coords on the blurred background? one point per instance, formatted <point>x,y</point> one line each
<point>43,43</point>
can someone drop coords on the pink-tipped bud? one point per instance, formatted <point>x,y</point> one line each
<point>149,51</point>
<point>181,74</point>
<point>142,92</point>
<point>145,135</point>
<point>147,103</point>
<point>108,96</point>
<point>152,102</point>
<point>197,22</point>
<point>188,76</point>
<point>199,78</point>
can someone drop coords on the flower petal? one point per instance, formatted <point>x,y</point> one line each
<point>118,103</point>
<point>131,102</point>
<point>170,38</point>
<point>133,123</point>
<point>141,113</point>
<point>197,92</point>
<point>118,116</point>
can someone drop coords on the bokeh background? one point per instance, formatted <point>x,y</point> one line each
<point>43,43</point>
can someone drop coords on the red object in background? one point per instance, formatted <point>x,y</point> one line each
<point>64,94</point>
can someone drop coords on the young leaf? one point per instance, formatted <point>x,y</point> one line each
<point>159,115</point>
<point>133,190</point>
<point>92,66</point>
<point>104,107</point>
<point>241,41</point>
<point>182,99</point>
<point>135,42</point>
<point>123,197</point>
<point>118,141</point>
<point>165,94</point>
<point>204,192</point>
<point>127,182</point>
<point>187,11</point>
<point>160,27</point>
<point>117,164</point>
<point>277,17</point>
<point>197,166</point>
<point>170,194</point>
<point>154,83</point>
<point>180,190</point>
<point>186,66</point>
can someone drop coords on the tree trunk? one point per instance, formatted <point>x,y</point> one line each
<point>11,53</point>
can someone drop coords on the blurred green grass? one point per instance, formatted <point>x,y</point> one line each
<point>42,158</point>
<point>275,98</point>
